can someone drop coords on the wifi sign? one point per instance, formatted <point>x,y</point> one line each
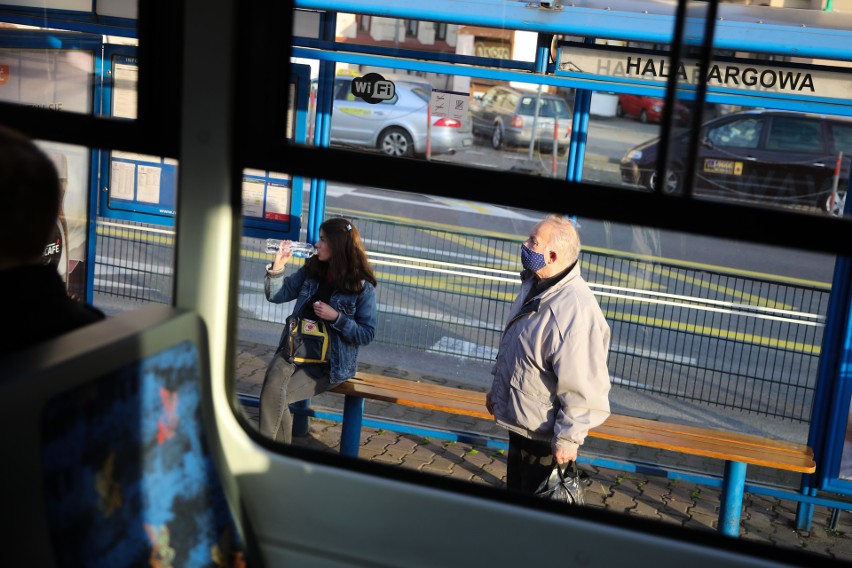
<point>373,88</point>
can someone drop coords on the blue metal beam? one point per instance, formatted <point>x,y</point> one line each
<point>795,33</point>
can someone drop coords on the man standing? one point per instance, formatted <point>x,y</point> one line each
<point>551,384</point>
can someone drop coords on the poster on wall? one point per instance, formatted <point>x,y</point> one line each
<point>66,249</point>
<point>58,80</point>
<point>139,187</point>
<point>143,184</point>
<point>266,196</point>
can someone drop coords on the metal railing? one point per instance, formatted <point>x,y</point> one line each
<point>711,337</point>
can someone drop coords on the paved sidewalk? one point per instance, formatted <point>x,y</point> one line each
<point>764,519</point>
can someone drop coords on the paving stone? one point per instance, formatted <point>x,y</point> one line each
<point>405,443</point>
<point>759,524</point>
<point>476,457</point>
<point>463,474</point>
<point>619,500</point>
<point>440,465</point>
<point>415,461</point>
<point>646,510</point>
<point>702,519</point>
<point>654,490</point>
<point>387,458</point>
<point>681,495</point>
<point>596,494</point>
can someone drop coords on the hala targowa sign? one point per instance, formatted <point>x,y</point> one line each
<point>739,75</point>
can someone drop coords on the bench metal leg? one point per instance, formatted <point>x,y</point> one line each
<point>733,487</point>
<point>301,420</point>
<point>350,436</point>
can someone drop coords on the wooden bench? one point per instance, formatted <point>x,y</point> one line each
<point>737,450</point>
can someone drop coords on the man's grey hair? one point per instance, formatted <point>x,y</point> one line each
<point>564,237</point>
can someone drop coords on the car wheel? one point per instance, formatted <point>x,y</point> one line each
<point>671,185</point>
<point>643,117</point>
<point>497,136</point>
<point>619,111</point>
<point>835,206</point>
<point>396,142</point>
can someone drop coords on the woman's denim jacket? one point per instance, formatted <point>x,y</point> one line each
<point>355,326</point>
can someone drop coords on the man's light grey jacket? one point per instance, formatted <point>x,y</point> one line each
<point>550,379</point>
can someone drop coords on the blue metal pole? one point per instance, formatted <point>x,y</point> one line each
<point>582,135</point>
<point>316,204</point>
<point>805,511</point>
<point>732,498</point>
<point>579,130</point>
<point>350,433</point>
<point>827,402</point>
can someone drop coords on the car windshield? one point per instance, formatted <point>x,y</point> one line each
<point>549,107</point>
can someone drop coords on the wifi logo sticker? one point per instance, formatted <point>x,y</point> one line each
<point>373,88</point>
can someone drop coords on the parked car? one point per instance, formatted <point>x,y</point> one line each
<point>396,127</point>
<point>775,156</point>
<point>649,109</point>
<point>505,116</point>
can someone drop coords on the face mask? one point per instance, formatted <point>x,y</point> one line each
<point>532,260</point>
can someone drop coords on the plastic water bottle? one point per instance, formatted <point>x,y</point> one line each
<point>300,250</point>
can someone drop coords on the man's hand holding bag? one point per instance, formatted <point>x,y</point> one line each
<point>565,483</point>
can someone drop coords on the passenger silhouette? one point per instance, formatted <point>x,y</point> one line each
<point>37,306</point>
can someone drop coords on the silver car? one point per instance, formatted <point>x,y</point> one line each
<point>505,116</point>
<point>396,127</point>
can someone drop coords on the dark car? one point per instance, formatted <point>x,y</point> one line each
<point>506,116</point>
<point>649,109</point>
<point>771,156</point>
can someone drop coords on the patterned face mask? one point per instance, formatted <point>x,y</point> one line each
<point>532,260</point>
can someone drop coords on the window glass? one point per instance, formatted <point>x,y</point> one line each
<point>554,107</point>
<point>842,137</point>
<point>422,92</point>
<point>743,133</point>
<point>796,135</point>
<point>509,101</point>
<point>411,27</point>
<point>440,31</point>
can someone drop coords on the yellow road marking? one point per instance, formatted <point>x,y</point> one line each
<point>716,332</point>
<point>471,204</point>
<point>626,279</point>
<point>751,298</point>
<point>622,254</point>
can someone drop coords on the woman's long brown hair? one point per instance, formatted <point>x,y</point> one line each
<point>348,266</point>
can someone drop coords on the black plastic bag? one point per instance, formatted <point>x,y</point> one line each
<point>565,483</point>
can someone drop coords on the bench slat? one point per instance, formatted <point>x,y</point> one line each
<point>734,437</point>
<point>409,397</point>
<point>627,429</point>
<point>719,448</point>
<point>427,389</point>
